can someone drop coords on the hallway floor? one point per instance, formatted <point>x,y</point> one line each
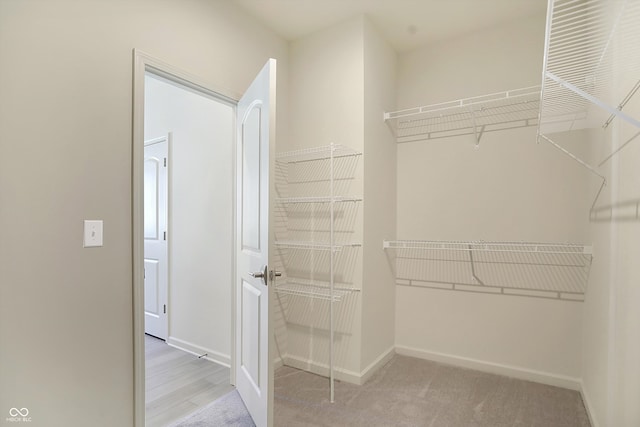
<point>178,383</point>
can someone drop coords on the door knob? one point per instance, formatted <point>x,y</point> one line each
<point>261,275</point>
<point>273,274</point>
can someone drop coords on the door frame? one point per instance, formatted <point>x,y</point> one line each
<point>142,63</point>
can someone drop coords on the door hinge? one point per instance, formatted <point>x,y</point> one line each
<point>165,235</point>
<point>165,162</point>
<point>165,308</point>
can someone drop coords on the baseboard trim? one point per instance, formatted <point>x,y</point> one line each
<point>339,373</point>
<point>278,363</point>
<point>377,364</point>
<point>494,368</point>
<point>588,406</point>
<point>211,355</point>
<point>322,369</point>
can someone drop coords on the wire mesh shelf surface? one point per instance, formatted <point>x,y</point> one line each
<point>316,153</point>
<point>544,270</point>
<point>317,246</point>
<point>327,199</point>
<point>590,46</point>
<point>476,115</point>
<point>478,245</point>
<point>312,289</point>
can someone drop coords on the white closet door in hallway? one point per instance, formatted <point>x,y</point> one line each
<point>155,237</point>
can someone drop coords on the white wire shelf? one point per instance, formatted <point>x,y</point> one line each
<point>316,153</point>
<point>468,116</point>
<point>481,246</point>
<point>315,246</point>
<point>316,290</point>
<point>542,270</point>
<point>327,199</point>
<point>591,45</point>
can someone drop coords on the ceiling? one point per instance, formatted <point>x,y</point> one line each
<point>406,24</point>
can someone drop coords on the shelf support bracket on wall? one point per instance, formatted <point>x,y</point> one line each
<point>619,149</point>
<point>473,268</point>
<point>582,162</point>
<point>573,156</point>
<point>476,134</point>
<point>624,102</point>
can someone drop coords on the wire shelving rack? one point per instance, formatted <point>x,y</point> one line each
<point>468,116</point>
<point>543,270</point>
<point>317,289</point>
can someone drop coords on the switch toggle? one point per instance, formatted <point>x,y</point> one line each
<point>92,233</point>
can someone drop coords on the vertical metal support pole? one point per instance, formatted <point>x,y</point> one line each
<point>331,254</point>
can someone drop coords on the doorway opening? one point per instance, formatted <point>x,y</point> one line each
<point>188,225</point>
<point>242,171</point>
<point>188,268</point>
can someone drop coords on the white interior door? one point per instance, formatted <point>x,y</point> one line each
<point>155,237</point>
<point>256,129</point>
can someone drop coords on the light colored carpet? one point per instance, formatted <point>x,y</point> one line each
<point>414,392</point>
<point>225,411</point>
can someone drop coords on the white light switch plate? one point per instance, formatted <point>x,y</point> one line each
<point>92,233</point>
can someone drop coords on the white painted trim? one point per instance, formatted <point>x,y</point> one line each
<point>340,374</point>
<point>278,363</point>
<point>157,140</point>
<point>196,350</point>
<point>588,406</point>
<point>142,63</point>
<point>172,73</point>
<point>494,368</point>
<point>322,369</point>
<point>377,364</point>
<point>137,226</point>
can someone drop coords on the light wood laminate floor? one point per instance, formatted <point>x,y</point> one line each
<point>178,383</point>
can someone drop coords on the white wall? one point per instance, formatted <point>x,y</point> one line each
<point>378,293</point>
<point>66,345</point>
<point>326,106</point>
<point>611,331</point>
<point>509,189</point>
<point>200,213</point>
